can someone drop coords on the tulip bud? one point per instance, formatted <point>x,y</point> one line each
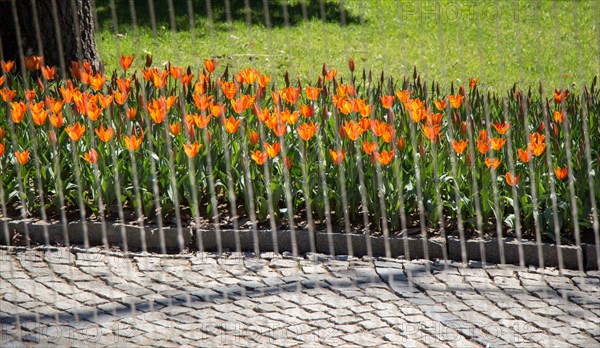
<point>400,143</point>
<point>324,71</point>
<point>287,163</point>
<point>52,137</point>
<point>351,64</point>
<point>469,160</point>
<point>148,60</point>
<point>463,128</point>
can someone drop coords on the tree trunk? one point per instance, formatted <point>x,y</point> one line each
<point>61,31</point>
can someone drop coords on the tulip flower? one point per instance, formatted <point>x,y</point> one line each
<point>91,156</point>
<point>560,173</point>
<point>75,131</point>
<point>369,147</point>
<point>384,157</point>
<point>125,61</point>
<point>191,149</point>
<point>22,156</point>
<point>132,142</point>
<point>231,125</point>
<point>459,146</point>
<point>272,150</point>
<point>501,128</point>
<point>307,130</point>
<point>524,155</point>
<point>259,157</point>
<point>104,134</point>
<point>337,156</point>
<point>497,143</point>
<point>511,180</point>
<point>492,162</point>
<point>537,144</point>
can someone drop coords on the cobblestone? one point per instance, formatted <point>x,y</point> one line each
<point>73,297</point>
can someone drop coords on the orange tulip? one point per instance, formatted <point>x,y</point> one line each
<point>431,132</point>
<point>369,147</point>
<point>460,146</point>
<point>229,89</point>
<point>337,156</point>
<point>497,143</point>
<point>511,180</point>
<point>456,100</point>
<point>22,156</point>
<point>440,104</point>
<point>131,112</point>
<point>133,142</point>
<point>259,157</point>
<point>191,149</point>
<point>1,134</point>
<point>290,94</point>
<point>559,116</point>
<point>400,143</point>
<point>8,65</point>
<point>7,94</point>
<point>38,113</point>
<point>57,120</point>
<point>97,81</point>
<point>248,75</point>
<point>403,96</point>
<point>175,71</point>
<point>473,82</point>
<point>307,110</point>
<point>272,150</point>
<point>537,143</point>
<point>30,94</point>
<point>104,100</point>
<point>48,72</point>
<point>312,93</point>
<point>231,125</point>
<point>2,146</point>
<point>33,62</point>
<point>384,157</point>
<point>91,156</point>
<point>253,135</point>
<point>524,155</point>
<point>492,162</point>
<point>201,121</point>
<point>17,111</point>
<point>330,75</point>
<point>417,115</point>
<point>560,95</point>
<point>237,105</point>
<point>120,97</point>
<point>483,142</point>
<point>434,119</point>
<point>264,80</point>
<point>307,130</point>
<point>186,79</point>
<point>124,84</point>
<point>353,130</point>
<point>76,131</point>
<point>2,79</point>
<point>560,173</point>
<point>210,65</point>
<point>175,128</point>
<point>387,101</point>
<point>125,61</point>
<point>104,134</point>
<point>501,128</point>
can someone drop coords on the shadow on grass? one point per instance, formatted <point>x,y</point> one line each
<point>297,11</point>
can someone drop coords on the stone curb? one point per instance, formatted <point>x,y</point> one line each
<point>341,243</point>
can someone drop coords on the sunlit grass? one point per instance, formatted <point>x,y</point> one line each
<point>502,42</point>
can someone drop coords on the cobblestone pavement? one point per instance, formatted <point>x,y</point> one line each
<point>64,297</point>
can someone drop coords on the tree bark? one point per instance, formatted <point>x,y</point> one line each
<point>61,31</point>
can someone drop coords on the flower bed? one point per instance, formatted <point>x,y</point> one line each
<point>171,145</point>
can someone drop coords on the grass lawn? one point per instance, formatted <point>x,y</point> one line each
<point>502,42</point>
